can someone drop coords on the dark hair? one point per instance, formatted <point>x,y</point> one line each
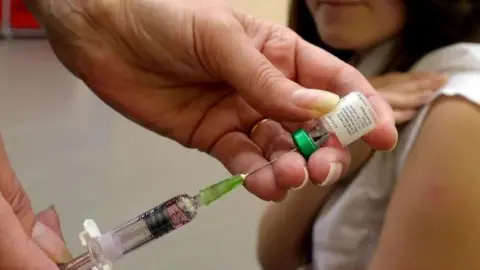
<point>430,24</point>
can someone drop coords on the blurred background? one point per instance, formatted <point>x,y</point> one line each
<point>71,150</point>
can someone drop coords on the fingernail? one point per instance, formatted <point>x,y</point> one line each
<point>305,180</point>
<point>50,243</point>
<point>334,174</point>
<point>316,100</point>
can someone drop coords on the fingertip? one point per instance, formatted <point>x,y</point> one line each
<point>240,155</point>
<point>262,184</point>
<point>327,164</point>
<point>49,217</point>
<point>267,195</point>
<point>279,196</point>
<point>51,243</point>
<point>305,180</point>
<point>382,138</point>
<point>385,135</point>
<point>318,170</point>
<point>289,171</point>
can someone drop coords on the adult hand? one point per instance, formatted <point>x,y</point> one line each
<point>407,92</point>
<point>203,74</point>
<point>27,241</point>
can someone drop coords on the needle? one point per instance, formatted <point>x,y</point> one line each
<point>319,141</point>
<point>268,164</point>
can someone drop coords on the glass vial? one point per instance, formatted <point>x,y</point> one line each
<point>351,119</point>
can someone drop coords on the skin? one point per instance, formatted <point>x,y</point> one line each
<point>358,25</point>
<point>432,221</point>
<point>407,92</point>
<point>17,227</point>
<point>283,247</point>
<point>161,64</point>
<point>183,82</point>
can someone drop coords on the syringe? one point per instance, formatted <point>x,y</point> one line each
<point>103,249</point>
<point>351,119</point>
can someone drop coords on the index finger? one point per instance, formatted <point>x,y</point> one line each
<point>240,155</point>
<point>316,68</point>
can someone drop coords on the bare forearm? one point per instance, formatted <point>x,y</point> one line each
<point>284,228</point>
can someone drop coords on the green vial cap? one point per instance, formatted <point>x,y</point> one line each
<point>305,144</point>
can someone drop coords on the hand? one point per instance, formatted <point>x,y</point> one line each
<point>203,75</point>
<point>407,92</point>
<point>27,241</point>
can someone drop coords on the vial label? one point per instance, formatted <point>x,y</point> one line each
<point>168,216</point>
<point>352,118</point>
<point>177,216</point>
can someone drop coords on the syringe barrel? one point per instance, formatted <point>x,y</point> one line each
<point>351,119</point>
<point>146,227</point>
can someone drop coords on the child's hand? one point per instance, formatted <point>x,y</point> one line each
<point>407,92</point>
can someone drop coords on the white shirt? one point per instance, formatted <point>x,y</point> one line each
<point>347,229</point>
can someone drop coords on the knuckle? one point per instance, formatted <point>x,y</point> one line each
<point>280,38</point>
<point>389,96</point>
<point>385,95</point>
<point>415,76</point>
<point>282,34</point>
<point>223,26</point>
<point>251,24</point>
<point>423,74</point>
<point>344,76</point>
<point>20,202</point>
<point>263,77</point>
<point>427,84</point>
<point>279,49</point>
<point>399,116</point>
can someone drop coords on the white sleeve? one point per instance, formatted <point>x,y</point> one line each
<point>464,84</point>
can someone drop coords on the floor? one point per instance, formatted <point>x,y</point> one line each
<point>71,150</point>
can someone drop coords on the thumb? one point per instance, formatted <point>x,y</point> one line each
<point>261,83</point>
<point>17,250</point>
<point>48,235</point>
